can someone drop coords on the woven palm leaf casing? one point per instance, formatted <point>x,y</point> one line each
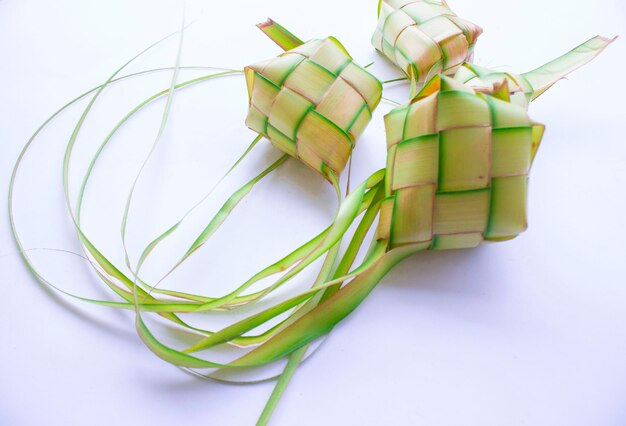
<point>312,102</point>
<point>424,37</point>
<point>458,164</point>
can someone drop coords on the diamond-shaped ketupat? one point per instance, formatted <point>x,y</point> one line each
<point>312,102</point>
<point>423,37</point>
<point>458,164</point>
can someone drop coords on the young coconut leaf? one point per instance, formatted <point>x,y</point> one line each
<point>104,268</point>
<point>423,37</point>
<point>526,87</point>
<point>346,262</point>
<point>139,300</point>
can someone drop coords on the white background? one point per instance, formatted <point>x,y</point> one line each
<point>529,332</point>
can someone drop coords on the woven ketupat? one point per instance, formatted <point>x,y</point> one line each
<point>424,37</point>
<point>458,164</point>
<point>312,102</point>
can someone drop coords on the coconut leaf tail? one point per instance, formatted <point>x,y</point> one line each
<point>297,356</point>
<point>343,268</point>
<point>327,315</point>
<point>292,365</point>
<point>280,35</point>
<point>542,78</point>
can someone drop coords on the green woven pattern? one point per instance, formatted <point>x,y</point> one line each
<point>424,37</point>
<point>458,164</point>
<point>312,102</point>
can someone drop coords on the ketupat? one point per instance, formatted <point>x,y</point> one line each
<point>457,167</point>
<point>424,37</point>
<point>312,102</point>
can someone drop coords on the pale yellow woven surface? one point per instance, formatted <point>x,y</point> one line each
<point>457,171</point>
<point>312,102</point>
<point>424,37</point>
